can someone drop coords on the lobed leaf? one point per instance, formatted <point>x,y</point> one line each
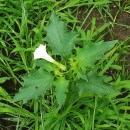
<point>59,38</point>
<point>61,85</point>
<point>95,85</point>
<point>35,85</point>
<point>88,55</point>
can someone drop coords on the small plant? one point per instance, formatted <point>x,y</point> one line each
<point>57,83</point>
<point>74,71</point>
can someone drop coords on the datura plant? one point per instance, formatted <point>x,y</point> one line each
<point>71,72</point>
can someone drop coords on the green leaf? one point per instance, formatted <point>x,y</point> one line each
<point>59,38</point>
<point>35,85</point>
<point>45,65</point>
<point>81,75</point>
<point>124,84</point>
<point>61,85</point>
<point>3,79</point>
<point>87,56</point>
<point>95,85</point>
<point>4,94</point>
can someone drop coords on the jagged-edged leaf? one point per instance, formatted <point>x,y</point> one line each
<point>61,85</point>
<point>35,85</point>
<point>59,38</point>
<point>88,55</point>
<point>95,85</point>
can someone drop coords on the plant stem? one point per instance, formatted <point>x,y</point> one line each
<point>60,65</point>
<point>96,98</point>
<point>42,123</point>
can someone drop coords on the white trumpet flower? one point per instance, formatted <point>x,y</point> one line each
<point>40,52</point>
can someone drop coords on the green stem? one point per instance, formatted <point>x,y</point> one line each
<point>41,111</point>
<point>60,65</point>
<point>95,106</point>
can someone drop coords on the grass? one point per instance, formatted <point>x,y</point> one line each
<point>23,29</point>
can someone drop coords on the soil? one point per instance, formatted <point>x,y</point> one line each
<point>7,125</point>
<point>121,30</point>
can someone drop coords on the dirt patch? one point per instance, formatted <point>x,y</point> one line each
<point>7,125</point>
<point>82,16</point>
<point>120,30</point>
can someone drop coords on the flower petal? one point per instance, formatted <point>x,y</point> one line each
<point>40,52</point>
